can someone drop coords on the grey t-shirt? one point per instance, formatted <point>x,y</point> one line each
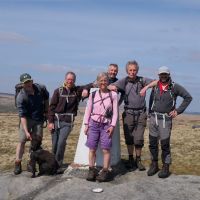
<point>132,98</point>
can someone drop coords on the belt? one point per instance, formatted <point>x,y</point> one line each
<point>135,111</point>
<point>63,114</point>
<point>163,116</point>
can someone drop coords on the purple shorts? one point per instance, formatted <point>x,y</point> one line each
<point>98,133</point>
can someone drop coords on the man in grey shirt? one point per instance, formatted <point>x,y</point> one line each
<point>163,110</point>
<point>134,115</point>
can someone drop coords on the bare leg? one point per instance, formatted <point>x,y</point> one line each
<point>92,157</point>
<point>20,151</point>
<point>106,159</point>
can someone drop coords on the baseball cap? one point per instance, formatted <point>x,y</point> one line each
<point>163,70</point>
<point>25,77</point>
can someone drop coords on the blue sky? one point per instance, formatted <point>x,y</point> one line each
<point>47,38</point>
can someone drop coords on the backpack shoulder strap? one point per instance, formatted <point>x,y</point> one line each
<point>93,95</point>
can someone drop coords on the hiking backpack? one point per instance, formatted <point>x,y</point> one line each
<point>155,90</point>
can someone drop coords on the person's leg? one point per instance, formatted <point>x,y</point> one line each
<point>106,159</point>
<point>92,157</point>
<point>64,132</point>
<point>92,143</point>
<point>165,133</point>
<point>106,144</point>
<point>20,151</point>
<point>153,146</point>
<point>138,133</point>
<point>128,126</point>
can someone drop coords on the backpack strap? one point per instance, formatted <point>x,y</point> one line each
<point>93,95</point>
<point>154,92</point>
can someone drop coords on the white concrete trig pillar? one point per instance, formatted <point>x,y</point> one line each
<point>81,155</point>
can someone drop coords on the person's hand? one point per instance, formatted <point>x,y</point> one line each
<point>143,91</point>
<point>86,129</point>
<point>173,113</point>
<point>28,136</point>
<point>110,131</point>
<point>84,93</point>
<point>112,88</point>
<point>51,126</point>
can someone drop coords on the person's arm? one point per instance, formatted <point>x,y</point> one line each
<point>115,114</point>
<point>23,112</point>
<point>187,98</point>
<point>88,114</point>
<point>25,127</point>
<point>52,107</point>
<point>150,85</point>
<point>118,85</point>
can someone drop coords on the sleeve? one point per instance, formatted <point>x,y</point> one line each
<point>81,88</point>
<point>120,84</point>
<point>88,110</point>
<point>53,105</point>
<point>187,98</point>
<point>46,93</point>
<point>21,105</point>
<point>115,109</point>
<point>147,80</point>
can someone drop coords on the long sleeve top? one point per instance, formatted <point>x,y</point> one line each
<point>65,101</point>
<point>97,107</point>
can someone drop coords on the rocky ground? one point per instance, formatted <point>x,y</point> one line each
<point>125,185</point>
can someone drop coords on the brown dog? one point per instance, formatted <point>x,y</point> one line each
<point>46,160</point>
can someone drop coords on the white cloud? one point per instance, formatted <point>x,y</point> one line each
<point>12,37</point>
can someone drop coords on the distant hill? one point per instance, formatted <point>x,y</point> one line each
<point>7,103</point>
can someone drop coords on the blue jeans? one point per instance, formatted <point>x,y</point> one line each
<point>59,137</point>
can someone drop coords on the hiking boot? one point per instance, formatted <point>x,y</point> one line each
<point>103,176</point>
<point>131,164</point>
<point>153,168</point>
<point>91,174</point>
<point>139,164</point>
<point>164,172</point>
<point>18,168</point>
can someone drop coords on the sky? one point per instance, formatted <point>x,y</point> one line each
<point>47,38</point>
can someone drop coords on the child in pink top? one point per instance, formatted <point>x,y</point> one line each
<point>100,120</point>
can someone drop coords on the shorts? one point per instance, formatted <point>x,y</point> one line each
<point>134,126</point>
<point>98,133</point>
<point>34,127</point>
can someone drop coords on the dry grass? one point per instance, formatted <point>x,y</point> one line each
<point>185,143</point>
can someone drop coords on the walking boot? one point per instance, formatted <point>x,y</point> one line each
<point>164,172</point>
<point>153,168</point>
<point>131,163</point>
<point>103,176</point>
<point>139,164</point>
<point>18,168</point>
<point>91,174</point>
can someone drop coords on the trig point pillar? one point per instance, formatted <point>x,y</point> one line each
<point>81,155</point>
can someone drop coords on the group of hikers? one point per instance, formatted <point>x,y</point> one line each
<point>102,114</point>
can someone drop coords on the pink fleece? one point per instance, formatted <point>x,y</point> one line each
<point>98,109</point>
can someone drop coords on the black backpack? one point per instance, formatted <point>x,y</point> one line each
<point>41,88</point>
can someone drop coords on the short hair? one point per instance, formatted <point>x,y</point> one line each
<point>72,73</point>
<point>115,65</point>
<point>102,74</point>
<point>132,62</point>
